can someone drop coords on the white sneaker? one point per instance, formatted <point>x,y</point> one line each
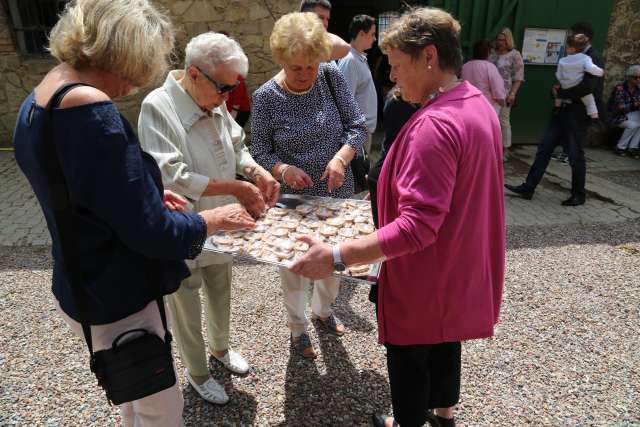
<point>233,362</point>
<point>210,390</point>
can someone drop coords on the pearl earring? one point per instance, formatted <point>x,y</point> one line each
<point>428,67</point>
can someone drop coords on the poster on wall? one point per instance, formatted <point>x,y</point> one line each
<point>543,46</point>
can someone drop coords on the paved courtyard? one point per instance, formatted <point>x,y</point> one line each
<point>565,352</point>
<point>613,183</point>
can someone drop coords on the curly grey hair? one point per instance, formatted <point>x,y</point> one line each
<point>212,50</point>
<point>633,70</point>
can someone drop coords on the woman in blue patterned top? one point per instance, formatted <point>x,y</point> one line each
<point>305,129</point>
<point>132,236</point>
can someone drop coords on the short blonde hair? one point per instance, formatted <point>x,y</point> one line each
<point>508,35</point>
<point>129,38</point>
<point>424,26</point>
<point>297,33</point>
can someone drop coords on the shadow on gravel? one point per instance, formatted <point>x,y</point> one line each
<point>344,310</point>
<point>199,412</point>
<point>535,237</point>
<point>342,396</point>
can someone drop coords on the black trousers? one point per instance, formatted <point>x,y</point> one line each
<point>566,125</point>
<point>423,377</point>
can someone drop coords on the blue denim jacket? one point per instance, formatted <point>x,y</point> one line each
<point>131,246</point>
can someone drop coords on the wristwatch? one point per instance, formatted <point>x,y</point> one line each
<point>338,265</point>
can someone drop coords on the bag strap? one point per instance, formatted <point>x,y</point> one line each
<point>63,213</point>
<point>327,75</point>
<point>65,222</point>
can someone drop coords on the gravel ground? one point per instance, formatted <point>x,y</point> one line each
<point>565,352</point>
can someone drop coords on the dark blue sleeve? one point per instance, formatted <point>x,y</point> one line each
<point>109,181</point>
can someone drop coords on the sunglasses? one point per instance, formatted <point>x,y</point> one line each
<point>634,77</point>
<point>220,87</point>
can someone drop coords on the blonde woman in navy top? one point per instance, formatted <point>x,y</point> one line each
<point>133,235</point>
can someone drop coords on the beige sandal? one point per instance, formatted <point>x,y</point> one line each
<point>303,346</point>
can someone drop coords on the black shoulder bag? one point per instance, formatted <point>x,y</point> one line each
<point>135,366</point>
<point>360,162</point>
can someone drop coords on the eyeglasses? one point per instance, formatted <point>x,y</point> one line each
<point>220,87</point>
<point>634,77</point>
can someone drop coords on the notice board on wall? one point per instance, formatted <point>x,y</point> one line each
<point>543,46</point>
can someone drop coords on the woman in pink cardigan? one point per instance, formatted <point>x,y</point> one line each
<point>442,235</point>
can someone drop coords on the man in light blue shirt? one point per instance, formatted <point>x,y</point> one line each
<point>354,67</point>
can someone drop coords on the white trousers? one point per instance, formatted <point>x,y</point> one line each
<point>294,290</point>
<point>631,136</point>
<point>163,408</point>
<point>505,125</point>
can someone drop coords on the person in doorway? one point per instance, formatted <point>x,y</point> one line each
<point>355,69</point>
<point>485,76</point>
<point>511,67</point>
<point>199,148</point>
<point>427,304</point>
<point>624,112</point>
<point>238,102</point>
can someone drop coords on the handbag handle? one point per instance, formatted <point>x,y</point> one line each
<point>327,75</point>
<point>115,343</point>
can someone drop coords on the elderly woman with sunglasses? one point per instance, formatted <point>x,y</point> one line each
<point>185,125</point>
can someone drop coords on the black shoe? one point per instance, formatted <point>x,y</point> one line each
<point>574,201</point>
<point>378,420</point>
<point>620,152</point>
<point>520,190</point>
<point>635,153</point>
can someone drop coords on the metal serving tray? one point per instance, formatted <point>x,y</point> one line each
<point>290,202</point>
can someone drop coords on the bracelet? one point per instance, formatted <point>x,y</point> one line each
<point>341,159</point>
<point>282,172</point>
<point>251,172</point>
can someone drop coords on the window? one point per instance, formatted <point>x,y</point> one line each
<point>32,20</point>
<point>384,20</point>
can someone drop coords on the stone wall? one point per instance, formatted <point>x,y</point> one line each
<point>248,22</point>
<point>251,23</point>
<point>623,42</point>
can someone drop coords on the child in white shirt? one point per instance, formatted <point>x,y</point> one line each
<point>571,71</point>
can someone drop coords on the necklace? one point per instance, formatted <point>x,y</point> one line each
<point>302,92</point>
<point>442,89</point>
